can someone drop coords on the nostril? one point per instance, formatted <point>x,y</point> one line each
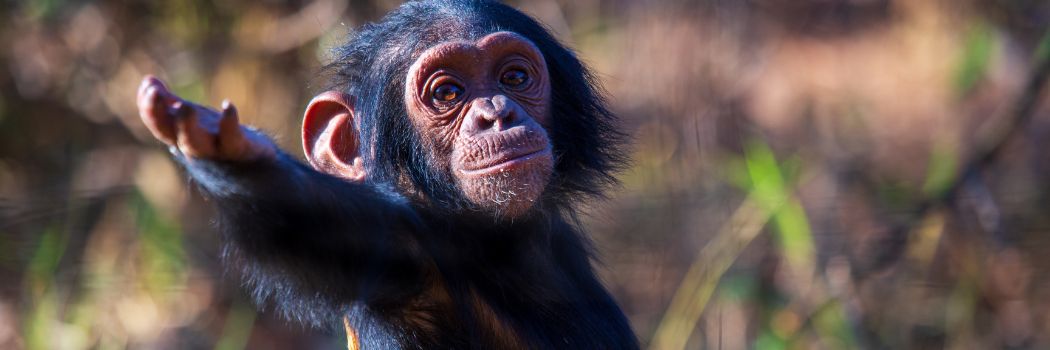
<point>501,110</point>
<point>495,113</point>
<point>505,118</point>
<point>489,110</point>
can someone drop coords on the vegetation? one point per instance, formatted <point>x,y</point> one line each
<point>806,173</point>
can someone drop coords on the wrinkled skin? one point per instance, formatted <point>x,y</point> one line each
<point>490,132</point>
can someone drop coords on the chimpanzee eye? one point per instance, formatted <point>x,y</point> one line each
<point>513,78</point>
<point>447,92</point>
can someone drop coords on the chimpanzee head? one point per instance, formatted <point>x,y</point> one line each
<point>464,106</point>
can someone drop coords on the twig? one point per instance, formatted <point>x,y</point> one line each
<point>988,149</point>
<point>700,281</point>
<point>992,147</point>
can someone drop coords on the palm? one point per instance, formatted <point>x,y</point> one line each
<point>197,131</point>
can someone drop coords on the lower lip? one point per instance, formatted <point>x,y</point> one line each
<point>510,163</point>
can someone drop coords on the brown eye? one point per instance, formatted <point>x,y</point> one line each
<point>447,93</point>
<point>514,78</point>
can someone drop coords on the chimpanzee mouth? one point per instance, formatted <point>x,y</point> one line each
<point>508,161</point>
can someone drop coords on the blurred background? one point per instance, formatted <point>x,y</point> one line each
<point>807,174</point>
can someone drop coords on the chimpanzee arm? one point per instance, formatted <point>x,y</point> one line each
<point>309,242</point>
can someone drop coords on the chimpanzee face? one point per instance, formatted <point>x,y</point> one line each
<point>482,108</point>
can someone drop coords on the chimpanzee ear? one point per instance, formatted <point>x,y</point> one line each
<point>330,138</point>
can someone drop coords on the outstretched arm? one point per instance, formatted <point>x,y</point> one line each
<point>308,241</point>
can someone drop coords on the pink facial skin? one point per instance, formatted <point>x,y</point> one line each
<point>483,107</point>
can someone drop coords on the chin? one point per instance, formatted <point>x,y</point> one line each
<point>509,193</point>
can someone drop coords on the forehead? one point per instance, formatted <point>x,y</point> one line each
<point>477,50</point>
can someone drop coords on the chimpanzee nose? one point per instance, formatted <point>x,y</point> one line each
<point>495,113</point>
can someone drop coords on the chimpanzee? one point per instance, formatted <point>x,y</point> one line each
<point>448,159</point>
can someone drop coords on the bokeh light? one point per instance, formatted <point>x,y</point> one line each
<point>806,174</point>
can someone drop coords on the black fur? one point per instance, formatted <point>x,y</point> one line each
<point>318,248</point>
<point>373,64</point>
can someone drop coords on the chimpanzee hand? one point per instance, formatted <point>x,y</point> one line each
<point>197,131</point>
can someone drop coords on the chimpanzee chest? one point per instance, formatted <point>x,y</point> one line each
<point>480,318</point>
<point>431,321</point>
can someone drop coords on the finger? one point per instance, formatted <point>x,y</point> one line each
<point>193,140</point>
<point>164,94</point>
<point>231,136</point>
<point>207,118</point>
<point>155,115</point>
<point>151,81</point>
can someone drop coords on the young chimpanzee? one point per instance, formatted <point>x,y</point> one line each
<point>447,160</point>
